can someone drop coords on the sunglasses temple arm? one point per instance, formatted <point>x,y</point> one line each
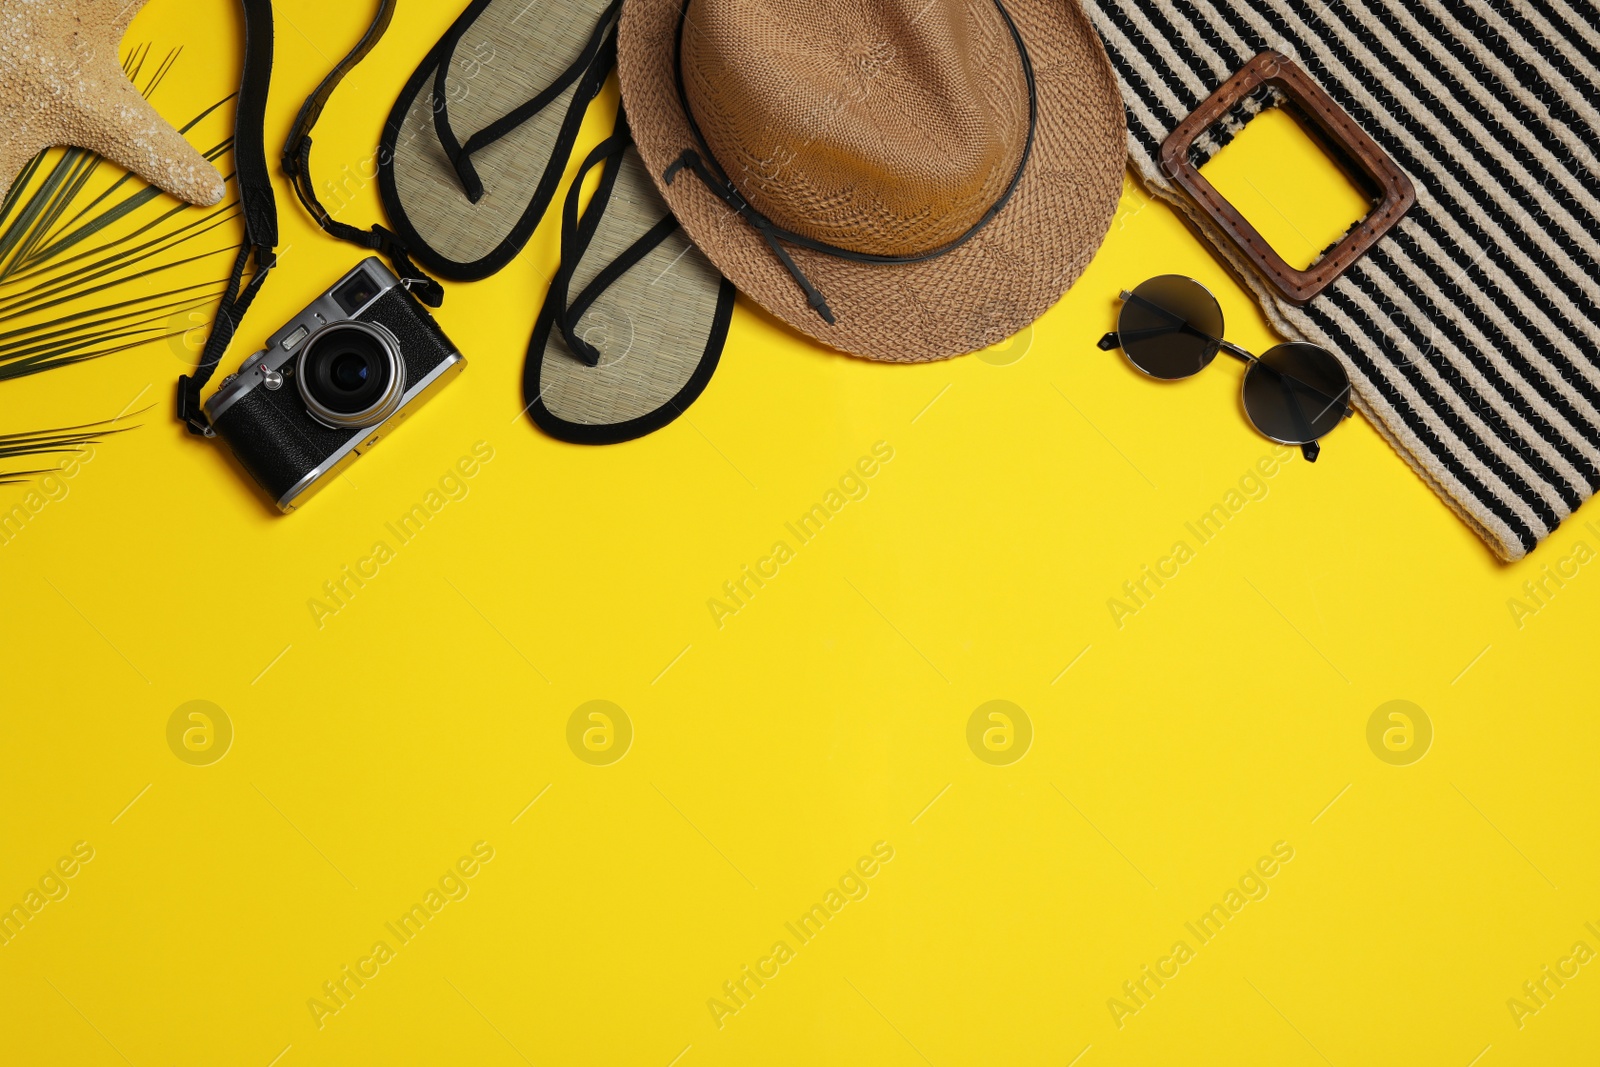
<point>1150,305</point>
<point>1329,401</point>
<point>1245,356</point>
<point>1113,340</point>
<point>1309,448</point>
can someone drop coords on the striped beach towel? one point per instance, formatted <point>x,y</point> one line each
<point>1472,333</point>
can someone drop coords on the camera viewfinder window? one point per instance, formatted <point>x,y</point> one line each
<point>355,293</point>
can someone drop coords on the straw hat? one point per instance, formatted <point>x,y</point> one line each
<point>905,180</point>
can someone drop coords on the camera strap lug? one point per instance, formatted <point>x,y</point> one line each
<point>424,289</point>
<point>417,283</point>
<point>189,411</point>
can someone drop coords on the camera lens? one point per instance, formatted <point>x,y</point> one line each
<point>349,371</point>
<point>350,375</point>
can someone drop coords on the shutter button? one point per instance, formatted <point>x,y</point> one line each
<point>272,379</point>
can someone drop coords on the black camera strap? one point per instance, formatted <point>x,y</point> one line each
<point>260,205</point>
<point>260,212</point>
<point>297,165</point>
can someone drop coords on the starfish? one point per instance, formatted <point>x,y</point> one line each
<point>61,84</point>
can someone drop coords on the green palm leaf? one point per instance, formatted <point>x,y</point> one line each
<point>82,255</point>
<point>76,247</point>
<point>68,439</point>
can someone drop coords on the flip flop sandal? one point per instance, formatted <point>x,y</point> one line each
<point>640,341</point>
<point>478,141</point>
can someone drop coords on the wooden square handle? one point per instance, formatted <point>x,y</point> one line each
<point>1390,191</point>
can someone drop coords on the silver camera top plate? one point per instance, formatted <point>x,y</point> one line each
<point>361,287</point>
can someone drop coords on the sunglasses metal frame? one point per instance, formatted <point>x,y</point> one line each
<point>1311,449</point>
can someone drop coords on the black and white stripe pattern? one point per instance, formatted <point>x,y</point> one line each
<point>1472,334</point>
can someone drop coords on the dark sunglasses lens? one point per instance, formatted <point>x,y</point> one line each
<point>1296,393</point>
<point>1169,327</point>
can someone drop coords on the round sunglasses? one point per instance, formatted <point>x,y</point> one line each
<point>1171,327</point>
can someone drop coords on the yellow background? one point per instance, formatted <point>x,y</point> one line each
<point>1168,754</point>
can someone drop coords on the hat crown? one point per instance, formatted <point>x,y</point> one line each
<point>884,127</point>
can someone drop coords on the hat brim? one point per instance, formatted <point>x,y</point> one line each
<point>1010,272</point>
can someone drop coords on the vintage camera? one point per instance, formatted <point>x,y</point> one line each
<point>332,383</point>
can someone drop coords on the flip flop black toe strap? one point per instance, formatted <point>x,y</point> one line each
<point>676,332</point>
<point>576,233</point>
<point>460,153</point>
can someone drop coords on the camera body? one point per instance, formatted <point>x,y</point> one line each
<point>332,383</point>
